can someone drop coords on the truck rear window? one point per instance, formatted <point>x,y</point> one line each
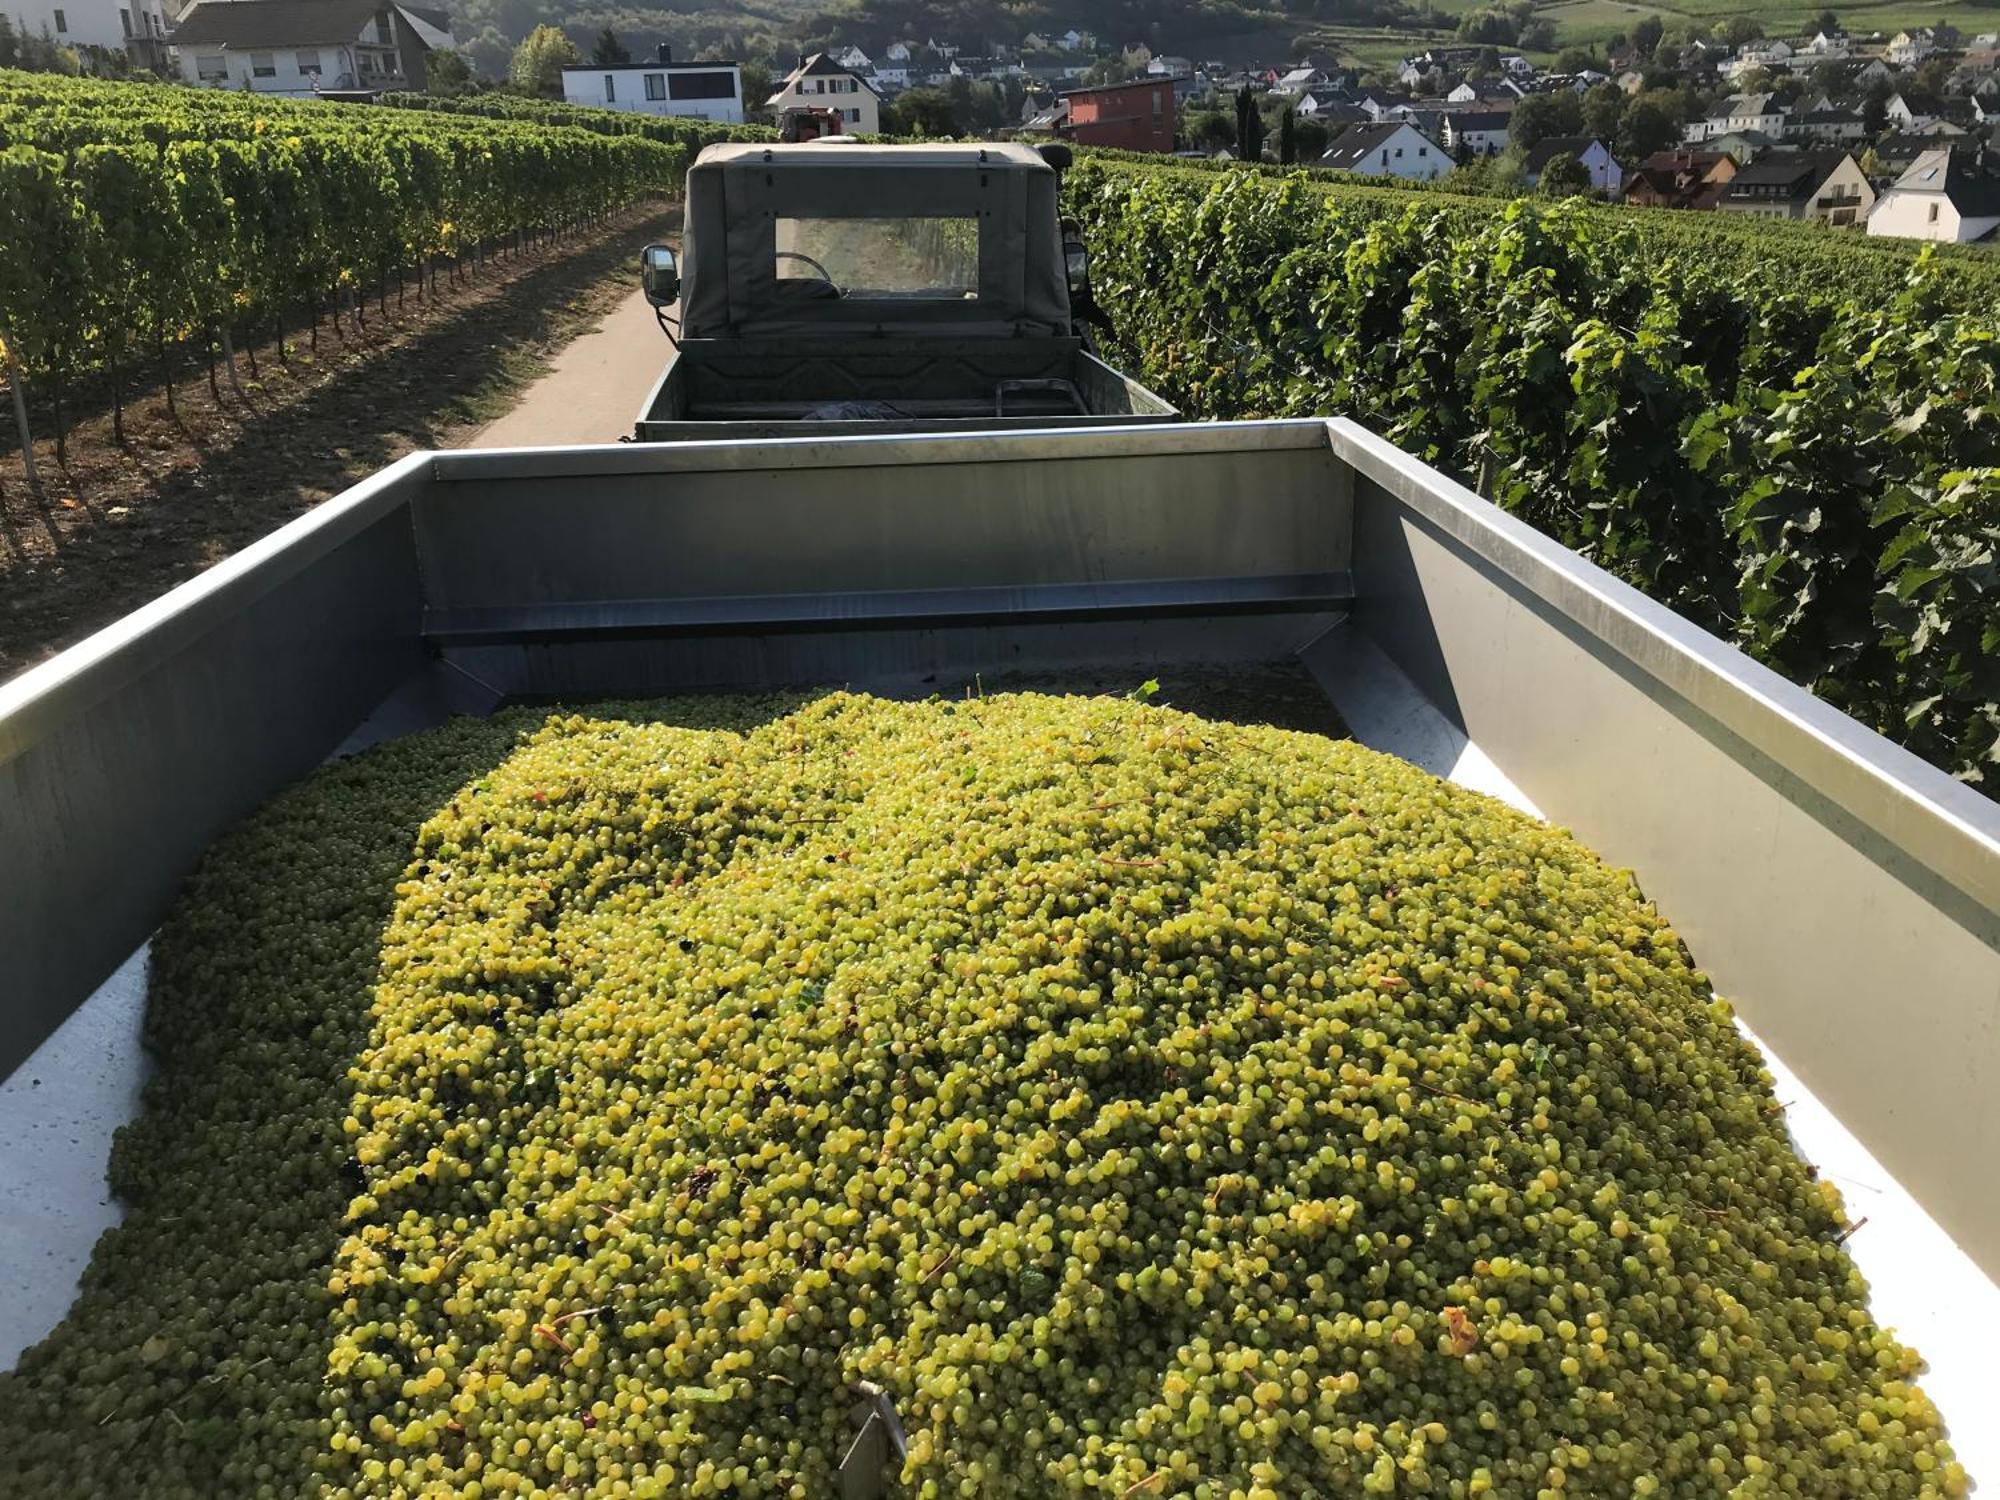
<point>903,257</point>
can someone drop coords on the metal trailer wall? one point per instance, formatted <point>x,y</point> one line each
<point>1841,893</point>
<point>124,757</point>
<point>1845,896</point>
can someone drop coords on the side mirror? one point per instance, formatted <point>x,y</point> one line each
<point>660,274</point>
<point>1058,155</point>
<point>1076,260</point>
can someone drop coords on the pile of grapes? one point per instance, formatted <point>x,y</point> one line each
<point>1146,1106</point>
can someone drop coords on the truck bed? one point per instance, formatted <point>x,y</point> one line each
<point>1844,896</point>
<point>716,389</point>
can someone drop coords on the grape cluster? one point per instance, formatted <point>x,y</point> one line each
<point>1149,1106</point>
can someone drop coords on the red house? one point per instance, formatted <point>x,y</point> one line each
<point>1136,116</point>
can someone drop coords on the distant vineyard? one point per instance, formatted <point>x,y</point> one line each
<point>664,128</point>
<point>1776,250</point>
<point>1793,440</point>
<point>139,216</point>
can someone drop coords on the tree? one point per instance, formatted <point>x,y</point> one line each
<point>1563,177</point>
<point>1538,35</point>
<point>1576,59</point>
<point>1249,126</point>
<point>1312,138</point>
<point>1540,116</point>
<point>1603,108</point>
<point>1649,125</point>
<point>758,86</point>
<point>1875,111</point>
<point>446,73</point>
<point>1288,136</point>
<point>1827,22</point>
<point>923,111</point>
<point>1211,130</point>
<point>1646,35</point>
<point>539,61</point>
<point>609,51</point>
<point>1740,29</point>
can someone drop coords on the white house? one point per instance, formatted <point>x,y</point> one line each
<point>1828,46</point>
<point>691,90</point>
<point>1824,186</point>
<point>1397,149</point>
<point>1298,82</point>
<point>137,28</point>
<point>1903,116</point>
<point>1516,66</point>
<point>1760,112</point>
<point>1475,132</point>
<point>1908,48</point>
<point>821,83</point>
<point>1826,126</point>
<point>898,52</point>
<point>1076,41</point>
<point>1872,72</point>
<point>1762,54</point>
<point>853,59</point>
<point>1939,198</point>
<point>891,76</point>
<point>306,47</point>
<point>1599,165</point>
<point>1487,91</point>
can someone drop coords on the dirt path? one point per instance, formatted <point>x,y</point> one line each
<point>593,388</point>
<point>121,524</point>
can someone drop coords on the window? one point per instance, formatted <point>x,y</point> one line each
<point>263,65</point>
<point>1399,151</point>
<point>1933,218</point>
<point>656,85</point>
<point>854,117</point>
<point>211,67</point>
<point>610,88</point>
<point>1423,151</point>
<point>935,259</point>
<point>62,23</point>
<point>125,20</point>
<point>702,85</point>
<point>308,61</point>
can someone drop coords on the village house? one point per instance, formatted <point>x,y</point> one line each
<point>1598,164</point>
<point>1941,197</point>
<point>689,90</point>
<point>1395,149</point>
<point>1825,187</point>
<point>1134,116</point>
<point>1472,133</point>
<point>138,28</point>
<point>1831,127</point>
<point>1502,91</point>
<point>1684,178</point>
<point>1738,112</point>
<point>818,82</point>
<point>300,48</point>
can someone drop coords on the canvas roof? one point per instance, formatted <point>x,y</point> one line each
<point>737,192</point>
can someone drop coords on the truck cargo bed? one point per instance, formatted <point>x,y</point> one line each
<point>714,389</point>
<point>1843,895</point>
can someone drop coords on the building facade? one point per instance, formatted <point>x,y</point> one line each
<point>1397,149</point>
<point>300,48</point>
<point>1940,198</point>
<point>138,28</point>
<point>710,90</point>
<point>818,82</point>
<point>1135,116</point>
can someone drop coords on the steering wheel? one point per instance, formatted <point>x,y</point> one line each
<point>825,274</point>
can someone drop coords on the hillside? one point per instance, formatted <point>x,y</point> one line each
<point>1374,31</point>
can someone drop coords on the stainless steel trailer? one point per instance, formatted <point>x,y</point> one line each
<point>1843,894</point>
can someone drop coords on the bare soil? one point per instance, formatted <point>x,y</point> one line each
<point>121,523</point>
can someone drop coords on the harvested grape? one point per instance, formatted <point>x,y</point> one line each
<point>1146,1106</point>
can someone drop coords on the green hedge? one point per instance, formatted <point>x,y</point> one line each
<point>1802,464</point>
<point>666,129</point>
